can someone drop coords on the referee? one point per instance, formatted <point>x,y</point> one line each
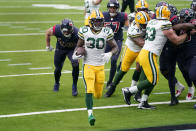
<point>129,3</point>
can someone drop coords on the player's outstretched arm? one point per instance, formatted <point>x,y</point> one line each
<point>48,34</point>
<point>171,35</point>
<point>183,26</point>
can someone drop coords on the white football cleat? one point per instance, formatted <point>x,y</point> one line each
<point>180,89</point>
<point>190,94</point>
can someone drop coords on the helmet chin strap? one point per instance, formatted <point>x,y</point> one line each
<point>69,35</point>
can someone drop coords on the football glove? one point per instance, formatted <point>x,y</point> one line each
<point>76,57</point>
<point>107,56</point>
<point>49,48</point>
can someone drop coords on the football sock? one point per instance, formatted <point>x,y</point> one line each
<point>89,101</point>
<point>145,84</point>
<point>90,112</point>
<point>133,89</point>
<point>144,97</point>
<point>118,77</point>
<point>75,74</point>
<point>112,71</point>
<point>57,75</point>
<point>136,75</point>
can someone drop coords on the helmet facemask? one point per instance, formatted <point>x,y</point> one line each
<point>67,28</point>
<point>97,23</point>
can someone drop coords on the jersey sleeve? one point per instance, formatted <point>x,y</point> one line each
<point>166,25</point>
<point>110,33</point>
<point>54,29</point>
<point>81,33</point>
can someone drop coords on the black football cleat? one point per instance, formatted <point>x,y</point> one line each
<point>174,101</point>
<point>56,87</point>
<point>127,95</point>
<point>145,105</point>
<point>110,91</point>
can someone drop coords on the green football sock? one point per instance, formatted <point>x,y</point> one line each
<point>118,77</point>
<point>136,75</point>
<point>89,101</point>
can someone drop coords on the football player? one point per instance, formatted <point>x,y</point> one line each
<point>134,43</point>
<point>115,20</point>
<point>141,5</point>
<point>167,61</point>
<point>94,38</point>
<point>89,6</point>
<point>66,35</point>
<point>157,32</point>
<point>193,6</point>
<point>187,15</point>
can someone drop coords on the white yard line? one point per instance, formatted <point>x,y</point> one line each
<point>36,22</point>
<point>84,109</point>
<point>5,59</point>
<point>40,68</point>
<point>20,64</point>
<point>42,13</point>
<point>19,51</point>
<point>26,34</point>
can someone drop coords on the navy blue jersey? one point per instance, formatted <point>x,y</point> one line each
<point>116,23</point>
<point>64,42</point>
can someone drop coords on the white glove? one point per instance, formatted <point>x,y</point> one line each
<point>76,57</point>
<point>49,48</point>
<point>107,56</point>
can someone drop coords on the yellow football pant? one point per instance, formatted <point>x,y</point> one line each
<point>148,61</point>
<point>128,58</point>
<point>94,77</point>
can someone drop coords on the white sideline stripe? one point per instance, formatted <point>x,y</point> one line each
<point>5,59</point>
<point>43,13</point>
<point>40,68</point>
<point>22,34</point>
<point>35,22</point>
<point>18,51</point>
<point>19,64</point>
<point>83,109</point>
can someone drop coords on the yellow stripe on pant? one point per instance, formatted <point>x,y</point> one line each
<point>148,61</point>
<point>128,59</point>
<point>94,77</point>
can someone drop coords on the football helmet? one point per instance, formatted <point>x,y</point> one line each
<point>67,27</point>
<point>173,9</point>
<point>96,20</point>
<point>162,3</point>
<point>186,15</point>
<point>113,4</point>
<point>193,5</point>
<point>163,12</point>
<point>141,19</point>
<point>142,5</point>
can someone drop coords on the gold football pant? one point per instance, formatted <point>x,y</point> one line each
<point>128,58</point>
<point>148,61</point>
<point>94,77</point>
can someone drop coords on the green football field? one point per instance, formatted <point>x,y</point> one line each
<point>27,101</point>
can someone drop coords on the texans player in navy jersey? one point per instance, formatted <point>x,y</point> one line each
<point>169,56</point>
<point>189,48</point>
<point>66,35</point>
<point>116,20</point>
